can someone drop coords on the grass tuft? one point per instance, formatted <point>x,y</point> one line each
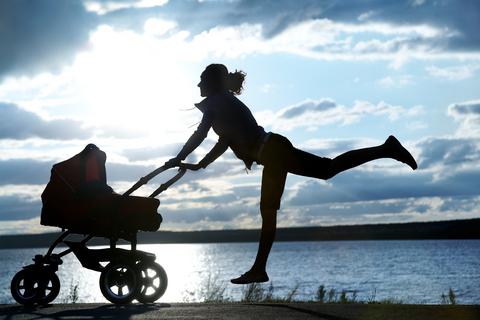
<point>72,296</point>
<point>449,298</point>
<point>214,291</point>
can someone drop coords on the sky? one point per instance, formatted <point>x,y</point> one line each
<point>329,75</point>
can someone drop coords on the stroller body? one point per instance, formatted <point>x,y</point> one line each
<point>78,200</point>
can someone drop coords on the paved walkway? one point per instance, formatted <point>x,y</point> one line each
<point>291,311</point>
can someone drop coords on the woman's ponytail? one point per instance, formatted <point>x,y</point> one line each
<point>235,81</point>
<point>216,78</point>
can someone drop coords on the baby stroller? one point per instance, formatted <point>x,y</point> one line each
<point>78,200</point>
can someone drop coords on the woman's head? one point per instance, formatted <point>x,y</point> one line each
<point>216,78</point>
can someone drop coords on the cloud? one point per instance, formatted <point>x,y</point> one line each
<point>18,124</point>
<point>463,109</point>
<point>24,171</point>
<point>362,185</point>
<point>327,30</point>
<point>16,208</point>
<point>329,40</point>
<point>453,73</point>
<point>448,152</point>
<point>46,35</point>
<point>447,168</point>
<point>41,35</point>
<point>231,208</point>
<point>126,172</point>
<point>395,82</point>
<point>458,21</point>
<point>467,113</point>
<point>384,211</point>
<point>103,7</point>
<point>315,113</point>
<point>444,187</point>
<point>25,226</point>
<point>307,106</point>
<point>19,202</point>
<point>333,147</point>
<point>417,3</point>
<point>148,153</point>
<point>277,16</point>
<point>35,172</point>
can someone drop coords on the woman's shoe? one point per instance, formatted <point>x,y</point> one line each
<point>251,277</point>
<point>398,152</point>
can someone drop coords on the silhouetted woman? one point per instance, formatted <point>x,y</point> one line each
<point>236,127</point>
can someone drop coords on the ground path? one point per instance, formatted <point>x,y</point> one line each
<point>234,311</point>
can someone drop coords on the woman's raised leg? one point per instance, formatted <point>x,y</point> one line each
<point>310,165</point>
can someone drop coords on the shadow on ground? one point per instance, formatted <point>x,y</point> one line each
<point>85,312</point>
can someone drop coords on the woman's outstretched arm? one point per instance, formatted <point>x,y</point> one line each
<point>218,149</point>
<point>194,141</point>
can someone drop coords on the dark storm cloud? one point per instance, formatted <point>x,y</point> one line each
<point>445,151</point>
<point>459,204</point>
<point>370,186</point>
<point>17,123</point>
<point>18,208</point>
<point>465,108</point>
<point>224,212</point>
<point>30,171</point>
<point>462,17</point>
<point>447,168</point>
<point>467,113</point>
<point>275,16</point>
<point>389,211</point>
<point>42,35</point>
<point>308,106</point>
<point>24,171</point>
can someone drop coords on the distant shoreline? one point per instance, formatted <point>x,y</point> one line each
<point>451,229</point>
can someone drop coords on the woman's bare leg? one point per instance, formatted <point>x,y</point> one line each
<point>257,272</point>
<point>267,236</point>
<point>273,183</point>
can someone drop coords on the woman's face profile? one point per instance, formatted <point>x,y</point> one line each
<point>203,86</point>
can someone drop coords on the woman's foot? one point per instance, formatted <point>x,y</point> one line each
<point>250,277</point>
<point>399,153</point>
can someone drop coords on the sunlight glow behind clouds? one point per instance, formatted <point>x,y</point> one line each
<point>128,80</point>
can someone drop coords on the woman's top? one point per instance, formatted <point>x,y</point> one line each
<point>235,126</point>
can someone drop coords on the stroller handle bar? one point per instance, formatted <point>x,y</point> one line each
<point>154,173</point>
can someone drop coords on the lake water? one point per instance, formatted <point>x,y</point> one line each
<point>412,271</point>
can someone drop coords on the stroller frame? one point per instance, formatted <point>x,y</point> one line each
<point>132,269</point>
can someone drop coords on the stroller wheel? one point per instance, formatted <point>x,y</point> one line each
<point>119,282</point>
<point>30,286</point>
<point>153,282</point>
